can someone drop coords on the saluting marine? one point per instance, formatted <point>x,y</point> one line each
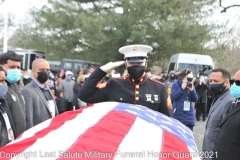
<point>136,88</point>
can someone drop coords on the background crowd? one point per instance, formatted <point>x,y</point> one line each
<point>22,96</point>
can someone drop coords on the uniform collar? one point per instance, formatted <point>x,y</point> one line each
<point>140,80</point>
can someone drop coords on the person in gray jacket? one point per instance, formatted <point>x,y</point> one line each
<point>40,104</point>
<point>169,82</point>
<point>219,87</point>
<point>66,86</point>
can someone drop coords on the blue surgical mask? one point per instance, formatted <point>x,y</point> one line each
<point>235,90</point>
<point>3,90</point>
<point>13,75</point>
<point>51,75</point>
<point>69,77</point>
<point>26,76</point>
<point>149,74</point>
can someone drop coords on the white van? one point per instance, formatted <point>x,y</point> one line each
<point>195,62</point>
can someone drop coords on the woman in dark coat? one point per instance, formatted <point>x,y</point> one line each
<point>202,90</point>
<point>60,102</point>
<point>76,89</point>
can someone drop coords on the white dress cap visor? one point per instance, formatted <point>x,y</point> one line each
<point>135,53</point>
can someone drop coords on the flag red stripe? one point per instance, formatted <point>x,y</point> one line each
<point>56,123</point>
<point>113,128</point>
<point>176,148</point>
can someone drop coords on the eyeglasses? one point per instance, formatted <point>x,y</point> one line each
<point>237,82</point>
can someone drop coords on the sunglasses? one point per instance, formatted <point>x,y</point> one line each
<point>237,82</point>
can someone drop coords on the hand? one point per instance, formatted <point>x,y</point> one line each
<point>184,85</point>
<point>109,66</point>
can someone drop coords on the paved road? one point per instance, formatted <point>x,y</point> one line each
<point>198,132</point>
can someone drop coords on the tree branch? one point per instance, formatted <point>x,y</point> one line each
<point>1,2</point>
<point>225,8</point>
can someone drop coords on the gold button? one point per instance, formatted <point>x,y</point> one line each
<point>137,92</point>
<point>137,86</point>
<point>120,99</point>
<point>137,98</point>
<point>133,80</point>
<point>141,80</point>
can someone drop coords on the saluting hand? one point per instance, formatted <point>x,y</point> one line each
<point>110,65</point>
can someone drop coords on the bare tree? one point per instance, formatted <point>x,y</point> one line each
<point>227,7</point>
<point>227,57</point>
<point>1,1</point>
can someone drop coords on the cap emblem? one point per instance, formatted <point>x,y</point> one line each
<point>135,48</point>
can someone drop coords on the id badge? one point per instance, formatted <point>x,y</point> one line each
<point>51,107</point>
<point>186,106</point>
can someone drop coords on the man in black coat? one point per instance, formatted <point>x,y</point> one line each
<point>137,88</point>
<point>227,142</point>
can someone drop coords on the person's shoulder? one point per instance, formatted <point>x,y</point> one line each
<point>30,85</point>
<point>102,85</point>
<point>156,81</point>
<point>76,85</point>
<point>118,80</point>
<point>63,81</point>
<point>58,99</point>
<point>227,96</point>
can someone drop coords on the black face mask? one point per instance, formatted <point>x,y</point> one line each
<point>217,89</point>
<point>172,78</point>
<point>42,77</point>
<point>136,71</point>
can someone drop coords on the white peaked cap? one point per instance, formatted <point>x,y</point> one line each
<point>136,52</point>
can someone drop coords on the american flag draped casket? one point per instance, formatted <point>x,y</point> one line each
<point>108,130</point>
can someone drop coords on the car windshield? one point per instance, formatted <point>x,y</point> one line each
<point>195,68</point>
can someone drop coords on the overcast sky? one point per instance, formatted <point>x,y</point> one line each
<point>20,8</point>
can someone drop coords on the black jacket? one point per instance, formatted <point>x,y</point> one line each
<point>146,92</point>
<point>61,104</point>
<point>3,128</point>
<point>16,104</point>
<point>227,142</point>
<point>26,81</point>
<point>76,89</point>
<point>202,91</point>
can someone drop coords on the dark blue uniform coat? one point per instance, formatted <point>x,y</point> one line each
<point>144,91</point>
